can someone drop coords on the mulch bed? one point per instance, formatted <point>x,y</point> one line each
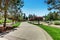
<point>3,29</point>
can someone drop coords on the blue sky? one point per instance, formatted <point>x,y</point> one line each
<point>37,7</point>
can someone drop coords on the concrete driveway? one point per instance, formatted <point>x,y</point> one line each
<point>28,31</point>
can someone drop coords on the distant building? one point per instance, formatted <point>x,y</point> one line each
<point>36,18</point>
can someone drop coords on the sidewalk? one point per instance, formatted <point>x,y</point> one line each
<point>52,25</point>
<point>3,39</point>
<point>28,31</point>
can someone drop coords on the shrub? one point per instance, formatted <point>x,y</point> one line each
<point>57,23</point>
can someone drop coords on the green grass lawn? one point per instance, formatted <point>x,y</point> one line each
<point>16,24</point>
<point>1,21</point>
<point>8,21</point>
<point>54,32</point>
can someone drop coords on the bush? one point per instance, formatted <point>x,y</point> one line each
<point>57,23</point>
<point>16,24</point>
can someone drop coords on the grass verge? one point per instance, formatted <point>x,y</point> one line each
<point>16,24</point>
<point>54,32</point>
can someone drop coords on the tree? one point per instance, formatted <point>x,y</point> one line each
<point>53,4</point>
<point>38,19</point>
<point>30,16</point>
<point>10,5</point>
<point>55,15</point>
<point>49,16</point>
<point>52,16</point>
<point>15,8</point>
<point>24,16</point>
<point>5,9</point>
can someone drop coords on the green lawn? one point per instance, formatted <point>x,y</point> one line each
<point>54,32</point>
<point>1,21</point>
<point>8,21</point>
<point>16,24</point>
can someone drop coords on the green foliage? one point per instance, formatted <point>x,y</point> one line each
<point>1,22</point>
<point>16,5</point>
<point>12,6</point>
<point>30,16</point>
<point>49,16</point>
<point>52,16</point>
<point>16,24</point>
<point>54,32</point>
<point>53,4</point>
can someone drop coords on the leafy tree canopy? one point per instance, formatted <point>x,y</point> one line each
<point>53,4</point>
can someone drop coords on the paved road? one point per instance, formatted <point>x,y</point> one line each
<point>28,31</point>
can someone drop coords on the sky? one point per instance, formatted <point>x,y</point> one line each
<point>37,7</point>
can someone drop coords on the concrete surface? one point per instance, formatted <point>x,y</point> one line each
<point>28,31</point>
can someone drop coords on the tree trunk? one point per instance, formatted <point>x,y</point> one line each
<point>5,15</point>
<point>5,12</point>
<point>38,22</point>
